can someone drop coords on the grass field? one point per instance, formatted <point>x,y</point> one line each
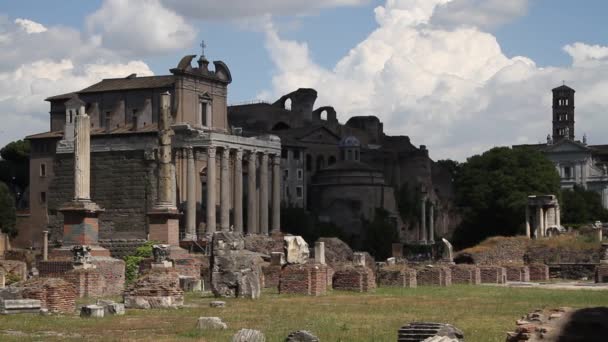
<point>484,313</point>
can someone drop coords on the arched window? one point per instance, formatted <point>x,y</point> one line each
<point>288,104</point>
<point>280,126</point>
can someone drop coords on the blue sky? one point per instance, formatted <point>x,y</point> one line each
<point>415,90</point>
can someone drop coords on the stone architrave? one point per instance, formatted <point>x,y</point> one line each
<point>164,224</point>
<point>296,250</point>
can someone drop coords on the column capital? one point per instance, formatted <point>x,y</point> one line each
<point>265,156</point>
<point>276,159</point>
<point>189,152</point>
<point>252,156</point>
<point>239,154</point>
<point>211,151</point>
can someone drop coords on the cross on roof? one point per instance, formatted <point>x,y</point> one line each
<point>203,46</point>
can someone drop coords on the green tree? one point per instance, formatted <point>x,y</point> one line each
<point>7,211</point>
<point>492,189</point>
<point>15,166</point>
<point>380,235</point>
<point>582,206</point>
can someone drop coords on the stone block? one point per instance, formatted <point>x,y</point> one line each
<point>359,259</point>
<point>320,252</point>
<point>429,331</point>
<point>248,335</point>
<point>190,284</point>
<point>277,259</point>
<point>210,323</point>
<point>272,275</point>
<point>14,306</point>
<point>217,304</point>
<point>92,311</point>
<point>301,336</point>
<point>112,308</point>
<point>296,250</point>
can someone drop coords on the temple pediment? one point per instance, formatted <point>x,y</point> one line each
<point>568,146</point>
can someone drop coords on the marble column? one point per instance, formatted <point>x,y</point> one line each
<point>431,222</point>
<point>528,221</point>
<point>82,156</point>
<point>45,245</point>
<point>191,196</point>
<point>276,193</point>
<point>225,191</point>
<point>252,226</point>
<point>263,211</point>
<point>558,219</point>
<point>541,222</point>
<point>211,179</point>
<point>423,221</point>
<point>238,191</point>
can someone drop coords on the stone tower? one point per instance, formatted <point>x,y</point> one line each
<point>563,113</point>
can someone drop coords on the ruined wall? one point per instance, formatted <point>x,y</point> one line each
<point>466,274</point>
<point>122,182</point>
<point>493,274</point>
<point>434,276</point>
<point>87,282</point>
<point>539,272</point>
<point>56,295</point>
<point>517,273</point>
<point>354,278</point>
<point>397,276</point>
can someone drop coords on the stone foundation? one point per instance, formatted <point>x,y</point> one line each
<point>493,274</point>
<point>87,282</point>
<point>159,288</point>
<point>397,275</point>
<point>54,294</point>
<point>309,279</point>
<point>601,273</point>
<point>465,274</point>
<point>354,278</point>
<point>538,272</point>
<point>434,276</point>
<point>272,276</point>
<point>112,270</point>
<point>517,273</point>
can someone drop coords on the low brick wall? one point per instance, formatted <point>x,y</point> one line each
<point>86,282</point>
<point>572,271</point>
<point>188,266</point>
<point>539,272</point>
<point>18,268</point>
<point>354,278</point>
<point>113,272</point>
<point>397,275</point>
<point>157,283</point>
<point>309,279</point>
<point>465,274</point>
<point>434,276</point>
<point>55,294</point>
<point>272,276</point>
<point>517,273</point>
<point>493,274</point>
<point>120,248</point>
<point>601,274</point>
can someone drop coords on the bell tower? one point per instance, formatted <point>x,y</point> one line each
<point>563,113</point>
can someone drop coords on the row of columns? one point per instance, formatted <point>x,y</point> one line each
<point>542,220</point>
<point>255,204</point>
<point>427,233</point>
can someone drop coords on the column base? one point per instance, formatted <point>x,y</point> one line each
<point>80,223</point>
<point>164,225</point>
<point>64,253</point>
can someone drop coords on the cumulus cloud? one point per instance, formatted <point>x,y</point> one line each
<point>452,89</point>
<point>485,14</point>
<point>30,26</point>
<point>221,9</point>
<point>139,27</point>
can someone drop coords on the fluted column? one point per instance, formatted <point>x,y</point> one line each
<point>225,191</point>
<point>191,196</point>
<point>252,226</point>
<point>431,222</point>
<point>276,193</point>
<point>211,190</point>
<point>264,194</point>
<point>238,191</point>
<point>82,156</point>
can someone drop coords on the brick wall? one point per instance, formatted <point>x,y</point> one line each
<point>87,282</point>
<point>601,274</point>
<point>188,266</point>
<point>161,282</point>
<point>434,276</point>
<point>120,248</point>
<point>539,272</point>
<point>354,278</point>
<point>122,182</point>
<point>465,274</point>
<point>272,275</point>
<point>113,272</point>
<point>55,294</point>
<point>318,280</point>
<point>517,273</point>
<point>397,275</point>
<point>296,279</point>
<point>493,274</point>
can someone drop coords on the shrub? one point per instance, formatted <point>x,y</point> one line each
<point>132,261</point>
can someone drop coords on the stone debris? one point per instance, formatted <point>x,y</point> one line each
<point>296,250</point>
<point>236,272</point>
<point>16,306</point>
<point>210,323</point>
<point>301,336</point>
<point>190,284</point>
<point>92,311</point>
<point>217,304</point>
<point>248,335</point>
<point>111,308</point>
<point>159,288</point>
<point>429,331</point>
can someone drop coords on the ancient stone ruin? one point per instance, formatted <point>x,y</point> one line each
<point>397,276</point>
<point>428,331</point>
<point>159,288</point>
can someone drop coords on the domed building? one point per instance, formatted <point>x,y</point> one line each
<point>350,190</point>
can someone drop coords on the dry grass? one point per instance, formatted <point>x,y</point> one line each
<point>484,313</point>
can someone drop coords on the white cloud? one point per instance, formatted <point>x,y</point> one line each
<point>453,90</point>
<point>30,26</point>
<point>479,13</point>
<point>139,27</point>
<point>221,9</point>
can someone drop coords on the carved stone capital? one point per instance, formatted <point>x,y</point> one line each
<point>238,155</point>
<point>211,152</point>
